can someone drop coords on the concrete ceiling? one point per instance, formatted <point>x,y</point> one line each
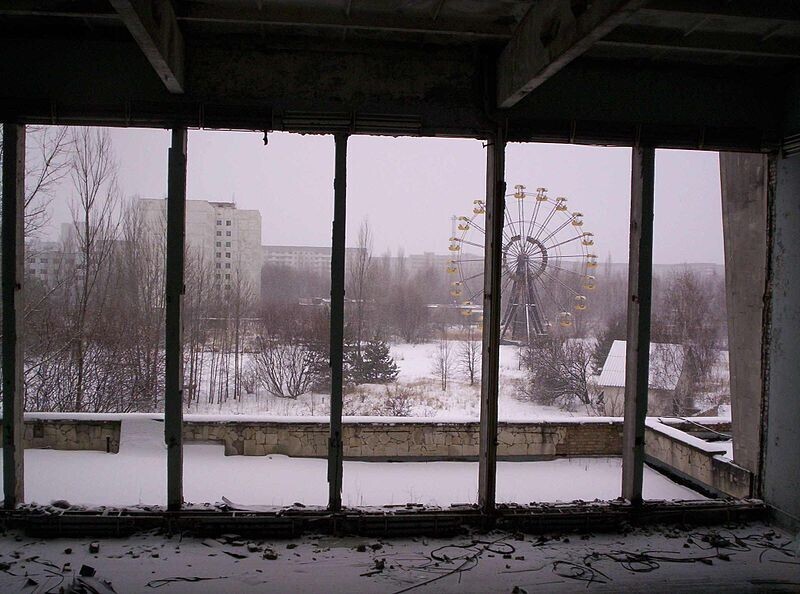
<point>566,70</point>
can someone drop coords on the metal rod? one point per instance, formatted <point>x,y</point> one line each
<point>490,363</point>
<point>13,243</point>
<point>175,290</point>
<point>637,363</point>
<point>335,447</point>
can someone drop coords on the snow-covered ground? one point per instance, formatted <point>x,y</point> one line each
<point>137,476</point>
<point>461,400</point>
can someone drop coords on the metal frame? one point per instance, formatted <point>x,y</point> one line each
<point>642,185</point>
<point>637,362</point>
<point>490,362</point>
<point>13,259</point>
<point>335,446</point>
<point>175,290</point>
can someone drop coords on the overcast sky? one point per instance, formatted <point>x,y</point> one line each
<point>409,188</point>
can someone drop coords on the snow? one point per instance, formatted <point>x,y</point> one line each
<point>470,563</point>
<point>137,476</point>
<point>460,402</point>
<point>704,446</point>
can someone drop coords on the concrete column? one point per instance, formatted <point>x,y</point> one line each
<point>781,479</point>
<point>490,362</point>
<point>173,396</point>
<point>744,222</point>
<point>640,281</point>
<point>13,262</point>
<point>335,446</point>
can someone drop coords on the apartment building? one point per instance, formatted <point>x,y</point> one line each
<point>219,235</point>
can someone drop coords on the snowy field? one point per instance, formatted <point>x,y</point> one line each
<point>137,476</point>
<point>461,400</point>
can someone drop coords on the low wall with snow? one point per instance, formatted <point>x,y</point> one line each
<point>409,440</point>
<point>363,437</point>
<point>374,438</point>
<point>701,463</point>
<point>71,434</point>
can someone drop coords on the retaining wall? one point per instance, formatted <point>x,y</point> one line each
<point>410,440</point>
<point>675,452</point>
<point>700,463</point>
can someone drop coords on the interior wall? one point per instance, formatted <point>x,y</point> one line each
<point>744,221</point>
<point>781,482</point>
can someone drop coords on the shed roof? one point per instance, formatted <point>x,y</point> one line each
<point>666,365</point>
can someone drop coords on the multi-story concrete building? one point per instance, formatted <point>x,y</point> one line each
<point>302,257</point>
<point>219,235</point>
<point>45,260</point>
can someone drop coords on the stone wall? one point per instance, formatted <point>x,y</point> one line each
<point>666,446</point>
<point>71,434</point>
<point>410,440</point>
<point>697,462</point>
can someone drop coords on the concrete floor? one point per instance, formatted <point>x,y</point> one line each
<point>740,558</point>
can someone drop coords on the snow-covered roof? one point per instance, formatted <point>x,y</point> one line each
<point>666,364</point>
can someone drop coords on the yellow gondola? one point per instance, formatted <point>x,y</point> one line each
<point>561,203</point>
<point>580,302</point>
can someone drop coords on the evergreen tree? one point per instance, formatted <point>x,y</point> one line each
<point>375,366</point>
<point>378,366</point>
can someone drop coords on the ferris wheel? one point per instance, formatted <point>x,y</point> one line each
<point>547,261</point>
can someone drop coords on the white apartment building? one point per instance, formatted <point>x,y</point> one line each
<point>219,235</point>
<point>302,257</point>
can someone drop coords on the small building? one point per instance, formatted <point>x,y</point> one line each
<point>667,394</point>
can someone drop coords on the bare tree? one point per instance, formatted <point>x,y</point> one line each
<point>358,281</point>
<point>95,221</point>
<point>558,371</point>
<point>443,360</point>
<point>690,311</point>
<point>469,354</point>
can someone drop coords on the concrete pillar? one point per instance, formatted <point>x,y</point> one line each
<point>13,261</point>
<point>744,222</point>
<point>173,346</point>
<point>781,479</point>
<point>490,363</point>
<point>335,446</point>
<point>640,282</point>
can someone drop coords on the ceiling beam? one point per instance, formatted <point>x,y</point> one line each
<point>673,42</point>
<point>279,15</point>
<point>155,29</point>
<point>303,16</point>
<point>550,36</point>
<point>777,10</point>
